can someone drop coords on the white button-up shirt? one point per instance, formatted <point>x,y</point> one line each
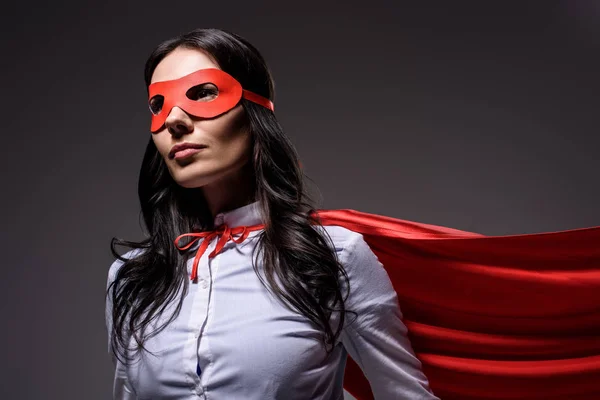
<point>234,340</point>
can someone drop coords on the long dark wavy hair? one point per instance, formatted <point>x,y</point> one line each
<point>300,256</point>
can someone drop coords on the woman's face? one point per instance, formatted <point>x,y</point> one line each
<point>226,137</point>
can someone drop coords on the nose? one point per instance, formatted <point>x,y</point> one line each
<point>178,122</point>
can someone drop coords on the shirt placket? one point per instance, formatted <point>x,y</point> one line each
<point>199,316</point>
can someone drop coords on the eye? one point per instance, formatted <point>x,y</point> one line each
<point>203,92</point>
<point>156,103</point>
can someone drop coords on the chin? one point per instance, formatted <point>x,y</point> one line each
<point>191,181</point>
<point>189,184</point>
<point>188,179</point>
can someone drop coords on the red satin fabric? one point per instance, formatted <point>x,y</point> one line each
<point>490,317</point>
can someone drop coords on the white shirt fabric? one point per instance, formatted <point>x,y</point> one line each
<point>234,340</point>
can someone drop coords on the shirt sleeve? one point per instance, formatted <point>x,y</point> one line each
<point>121,387</point>
<point>377,339</point>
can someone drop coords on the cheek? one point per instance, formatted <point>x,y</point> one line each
<point>160,143</point>
<point>231,131</point>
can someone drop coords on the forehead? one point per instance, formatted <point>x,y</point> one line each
<point>181,62</point>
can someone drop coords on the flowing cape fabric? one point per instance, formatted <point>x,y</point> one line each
<point>491,317</point>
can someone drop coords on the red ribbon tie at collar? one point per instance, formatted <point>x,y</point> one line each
<point>223,232</point>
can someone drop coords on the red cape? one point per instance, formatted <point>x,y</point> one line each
<point>491,317</point>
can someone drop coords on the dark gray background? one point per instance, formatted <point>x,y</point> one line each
<point>481,116</point>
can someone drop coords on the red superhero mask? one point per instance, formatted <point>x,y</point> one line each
<point>192,94</point>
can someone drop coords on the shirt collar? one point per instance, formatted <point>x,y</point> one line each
<point>242,216</point>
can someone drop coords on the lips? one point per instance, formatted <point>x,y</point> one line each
<point>183,146</point>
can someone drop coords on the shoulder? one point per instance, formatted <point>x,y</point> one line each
<point>343,239</point>
<point>353,251</point>
<point>369,281</point>
<point>117,263</point>
<point>350,243</point>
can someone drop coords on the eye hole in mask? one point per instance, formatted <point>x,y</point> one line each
<point>156,103</point>
<point>202,92</point>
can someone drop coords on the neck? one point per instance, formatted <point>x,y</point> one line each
<point>220,197</point>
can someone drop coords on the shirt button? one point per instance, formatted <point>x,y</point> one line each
<point>204,284</point>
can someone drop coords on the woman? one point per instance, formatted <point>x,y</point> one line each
<point>271,314</point>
